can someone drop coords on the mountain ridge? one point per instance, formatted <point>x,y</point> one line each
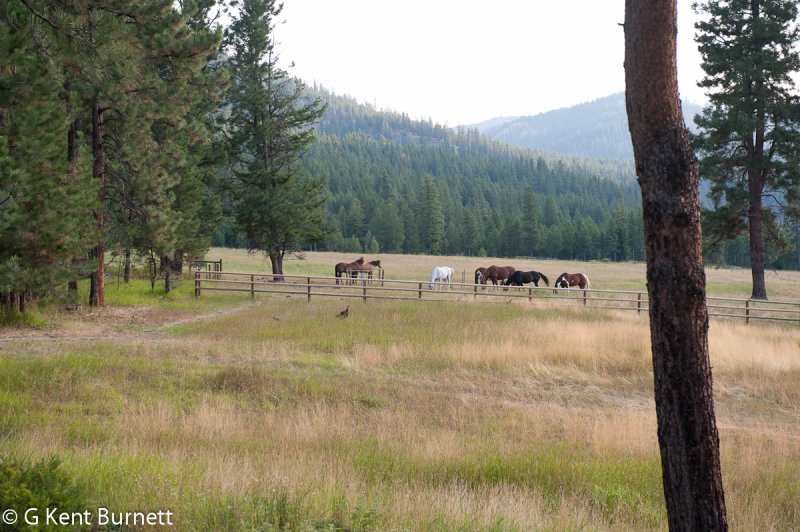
<point>597,129</point>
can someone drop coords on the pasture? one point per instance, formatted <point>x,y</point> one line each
<point>251,415</point>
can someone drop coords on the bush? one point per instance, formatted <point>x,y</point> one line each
<point>42,485</point>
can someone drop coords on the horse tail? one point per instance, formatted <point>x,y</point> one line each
<point>545,279</point>
<point>588,284</point>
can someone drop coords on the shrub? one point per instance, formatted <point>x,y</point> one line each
<point>42,485</point>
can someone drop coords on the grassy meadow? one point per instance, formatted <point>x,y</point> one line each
<point>240,414</point>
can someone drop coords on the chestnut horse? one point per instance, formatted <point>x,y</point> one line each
<point>567,280</point>
<point>343,269</point>
<point>497,274</point>
<point>520,278</point>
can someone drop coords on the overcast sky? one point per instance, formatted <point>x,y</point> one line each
<point>465,61</point>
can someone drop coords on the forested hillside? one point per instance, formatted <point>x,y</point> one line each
<point>596,129</point>
<point>400,185</point>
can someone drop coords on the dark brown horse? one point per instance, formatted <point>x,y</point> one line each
<point>343,268</point>
<point>497,274</point>
<point>567,280</point>
<point>521,278</point>
<point>480,275</point>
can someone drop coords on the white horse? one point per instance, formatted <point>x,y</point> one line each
<point>442,274</point>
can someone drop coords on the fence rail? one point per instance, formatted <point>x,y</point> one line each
<point>365,289</point>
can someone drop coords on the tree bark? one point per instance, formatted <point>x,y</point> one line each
<point>72,159</point>
<point>97,287</point>
<point>756,226</point>
<point>166,268</point>
<point>668,176</point>
<point>276,260</point>
<point>126,276</point>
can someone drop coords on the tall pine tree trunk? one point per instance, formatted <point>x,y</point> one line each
<point>97,287</point>
<point>72,159</point>
<point>668,176</point>
<point>756,226</point>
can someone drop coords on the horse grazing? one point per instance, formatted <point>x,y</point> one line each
<point>497,274</point>
<point>343,268</point>
<point>520,278</point>
<point>480,276</point>
<point>441,274</point>
<point>567,280</point>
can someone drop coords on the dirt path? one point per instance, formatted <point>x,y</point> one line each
<point>115,317</point>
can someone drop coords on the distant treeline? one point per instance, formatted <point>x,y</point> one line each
<point>399,185</point>
<point>410,186</point>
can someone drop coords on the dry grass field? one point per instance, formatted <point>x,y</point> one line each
<point>255,415</point>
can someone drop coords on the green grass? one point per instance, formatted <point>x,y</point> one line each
<point>405,416</point>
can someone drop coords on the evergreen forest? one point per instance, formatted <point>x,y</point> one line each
<point>410,186</point>
<point>137,135</point>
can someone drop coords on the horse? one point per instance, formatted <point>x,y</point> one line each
<point>520,278</point>
<point>343,268</point>
<point>496,274</point>
<point>443,274</point>
<point>370,266</point>
<point>480,276</point>
<point>567,280</point>
<point>365,268</point>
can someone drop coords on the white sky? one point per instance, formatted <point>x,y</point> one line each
<point>465,61</point>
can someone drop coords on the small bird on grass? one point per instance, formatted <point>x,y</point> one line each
<point>345,313</point>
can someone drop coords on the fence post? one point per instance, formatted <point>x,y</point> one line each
<point>584,298</point>
<point>308,279</point>
<point>747,311</point>
<point>365,292</point>
<point>252,286</point>
<point>197,285</point>
<point>475,293</point>
<point>639,303</point>
<point>420,290</point>
<point>530,295</point>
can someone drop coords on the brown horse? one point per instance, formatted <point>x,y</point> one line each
<point>480,275</point>
<point>343,268</point>
<point>497,274</point>
<point>367,268</point>
<point>567,280</point>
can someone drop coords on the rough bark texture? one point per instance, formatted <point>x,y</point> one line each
<point>668,176</point>
<point>97,285</point>
<point>756,225</point>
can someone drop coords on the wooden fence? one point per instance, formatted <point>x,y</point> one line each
<point>208,265</point>
<point>390,289</point>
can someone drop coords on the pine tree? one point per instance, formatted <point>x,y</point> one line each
<point>431,217</point>
<point>749,141</point>
<point>668,176</point>
<point>388,228</point>
<point>531,219</point>
<point>270,127</point>
<point>45,214</point>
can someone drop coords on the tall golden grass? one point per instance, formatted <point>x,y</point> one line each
<point>401,417</point>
